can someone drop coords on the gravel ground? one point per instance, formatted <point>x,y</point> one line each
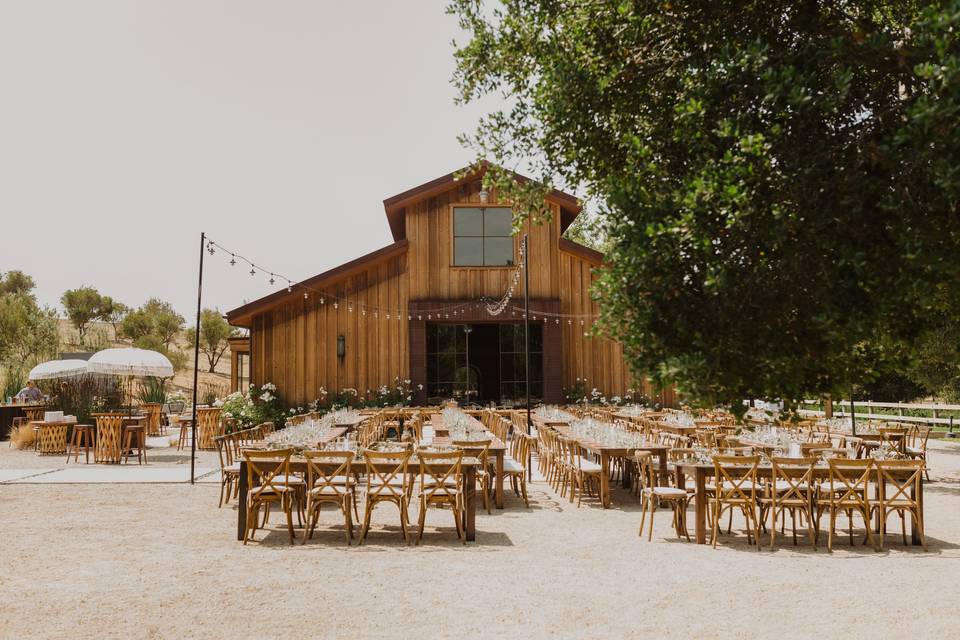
<point>161,561</point>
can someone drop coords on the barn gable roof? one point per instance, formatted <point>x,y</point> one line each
<point>396,206</point>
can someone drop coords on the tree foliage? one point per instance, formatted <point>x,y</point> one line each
<point>780,179</point>
<point>83,306</point>
<point>28,332</point>
<point>214,334</point>
<point>156,319</point>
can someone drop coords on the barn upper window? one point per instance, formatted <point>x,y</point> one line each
<point>482,237</point>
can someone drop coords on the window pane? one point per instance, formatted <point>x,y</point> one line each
<point>497,251</point>
<point>536,338</point>
<point>447,342</point>
<point>506,367</point>
<point>432,338</point>
<point>506,338</point>
<point>467,252</point>
<point>498,221</point>
<point>467,222</point>
<point>432,369</point>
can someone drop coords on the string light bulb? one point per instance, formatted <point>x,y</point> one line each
<point>305,295</point>
<point>271,279</point>
<point>233,260</point>
<point>253,271</point>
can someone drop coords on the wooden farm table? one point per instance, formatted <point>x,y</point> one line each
<point>497,449</point>
<point>679,429</point>
<point>52,435</point>
<point>700,472</point>
<point>299,465</point>
<point>606,452</point>
<point>353,423</point>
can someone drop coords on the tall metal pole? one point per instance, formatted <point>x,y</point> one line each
<point>526,339</point>
<point>196,366</point>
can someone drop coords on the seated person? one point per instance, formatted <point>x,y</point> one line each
<point>30,393</point>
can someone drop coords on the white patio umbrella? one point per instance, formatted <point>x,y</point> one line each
<point>58,369</point>
<point>131,362</point>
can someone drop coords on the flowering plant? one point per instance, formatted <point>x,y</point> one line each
<point>253,406</point>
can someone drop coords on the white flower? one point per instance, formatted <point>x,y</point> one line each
<point>266,397</point>
<point>419,387</point>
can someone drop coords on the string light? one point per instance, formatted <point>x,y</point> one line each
<point>492,307</point>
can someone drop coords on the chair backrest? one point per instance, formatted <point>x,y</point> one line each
<point>384,483</point>
<point>479,449</point>
<point>520,447</point>
<point>795,478</point>
<point>899,486</point>
<point>736,478</point>
<point>681,454</point>
<point>326,469</point>
<point>920,437</point>
<point>437,468</point>
<point>706,437</point>
<point>225,449</point>
<point>645,476</point>
<point>264,466</point>
<point>849,479</point>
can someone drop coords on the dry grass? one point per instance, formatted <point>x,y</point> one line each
<point>23,437</point>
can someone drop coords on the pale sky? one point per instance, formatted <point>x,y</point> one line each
<point>278,127</point>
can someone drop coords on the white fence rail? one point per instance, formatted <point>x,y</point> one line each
<point>841,409</point>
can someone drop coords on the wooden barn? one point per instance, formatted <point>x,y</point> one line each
<point>415,310</point>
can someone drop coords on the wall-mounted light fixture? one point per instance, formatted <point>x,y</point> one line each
<point>341,348</point>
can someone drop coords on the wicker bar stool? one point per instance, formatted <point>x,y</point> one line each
<point>135,435</point>
<point>82,436</point>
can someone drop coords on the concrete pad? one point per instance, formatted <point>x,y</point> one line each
<point>9,475</point>
<point>126,474</point>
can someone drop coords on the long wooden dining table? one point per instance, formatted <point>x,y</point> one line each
<point>298,465</point>
<point>701,471</point>
<point>497,450</point>
<point>607,451</point>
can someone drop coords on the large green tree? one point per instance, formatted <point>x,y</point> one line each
<point>156,320</point>
<point>214,334</point>
<point>83,305</point>
<point>780,178</point>
<point>28,332</point>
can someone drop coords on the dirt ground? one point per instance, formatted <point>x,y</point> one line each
<point>162,561</point>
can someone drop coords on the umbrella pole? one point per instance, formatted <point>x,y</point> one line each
<point>196,365</point>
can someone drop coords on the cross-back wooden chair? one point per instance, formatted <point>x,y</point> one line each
<point>391,484</point>
<point>515,465</point>
<point>917,447</point>
<point>651,495</point>
<point>480,449</point>
<point>441,483</point>
<point>229,467</point>
<point>791,489</point>
<point>894,437</point>
<point>847,492</point>
<point>584,474</point>
<point>736,488</point>
<point>330,480</point>
<point>899,495</point>
<point>266,471</point>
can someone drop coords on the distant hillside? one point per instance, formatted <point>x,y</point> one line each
<point>100,335</point>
